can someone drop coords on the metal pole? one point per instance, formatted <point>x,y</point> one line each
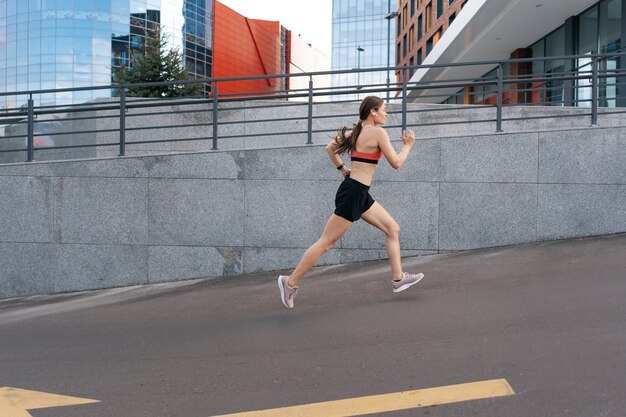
<point>404,82</point>
<point>122,122</point>
<point>358,66</point>
<point>621,63</point>
<point>500,88</point>
<point>594,91</point>
<point>215,116</point>
<point>390,15</point>
<point>388,48</point>
<point>30,128</point>
<point>309,140</point>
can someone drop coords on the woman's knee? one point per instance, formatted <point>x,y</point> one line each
<point>393,230</point>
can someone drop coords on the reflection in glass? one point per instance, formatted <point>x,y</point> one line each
<point>87,38</point>
<point>587,44</point>
<point>610,41</point>
<point>368,30</point>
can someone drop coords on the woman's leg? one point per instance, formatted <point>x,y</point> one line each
<point>334,229</point>
<point>378,217</point>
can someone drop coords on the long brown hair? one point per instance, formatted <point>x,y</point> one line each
<point>348,142</point>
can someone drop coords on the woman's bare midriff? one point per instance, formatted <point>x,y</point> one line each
<point>362,172</point>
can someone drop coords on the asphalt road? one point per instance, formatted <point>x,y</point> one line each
<point>549,318</point>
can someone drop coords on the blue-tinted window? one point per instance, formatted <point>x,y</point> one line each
<point>22,7</point>
<point>555,46</point>
<point>62,39</point>
<point>610,25</point>
<point>102,6</point>
<point>34,5</point>
<point>11,8</point>
<point>419,27</point>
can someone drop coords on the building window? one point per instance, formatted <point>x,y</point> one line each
<point>451,18</point>
<point>610,41</point>
<point>429,15</point>
<point>419,56</point>
<point>429,46</point>
<point>439,8</point>
<point>555,46</point>
<point>411,37</point>
<point>610,25</point>
<point>587,44</point>
<point>536,91</point>
<point>412,7</point>
<point>419,27</point>
<point>404,45</point>
<point>436,37</point>
<point>398,56</point>
<point>405,17</point>
<point>588,31</point>
<point>398,26</point>
<point>411,63</point>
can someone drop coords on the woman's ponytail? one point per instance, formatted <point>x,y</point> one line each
<point>346,142</point>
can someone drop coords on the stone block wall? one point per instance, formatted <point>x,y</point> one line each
<point>79,225</point>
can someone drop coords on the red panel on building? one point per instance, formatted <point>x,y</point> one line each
<point>245,47</point>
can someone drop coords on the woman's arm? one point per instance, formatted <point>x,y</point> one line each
<point>396,160</point>
<point>331,150</point>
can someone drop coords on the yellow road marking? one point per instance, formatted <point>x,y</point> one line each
<point>15,402</point>
<point>390,402</point>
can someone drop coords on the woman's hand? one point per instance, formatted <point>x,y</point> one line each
<point>345,171</point>
<point>408,139</point>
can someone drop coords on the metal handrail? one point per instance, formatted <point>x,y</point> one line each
<point>497,95</point>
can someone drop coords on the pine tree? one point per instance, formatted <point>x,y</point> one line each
<point>154,63</point>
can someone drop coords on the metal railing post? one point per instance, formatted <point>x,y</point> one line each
<point>122,122</point>
<point>30,129</point>
<point>215,116</point>
<point>594,91</point>
<point>500,93</point>
<point>309,140</point>
<point>404,94</point>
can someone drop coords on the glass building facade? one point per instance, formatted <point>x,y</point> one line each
<point>360,40</point>
<point>598,29</point>
<point>51,44</point>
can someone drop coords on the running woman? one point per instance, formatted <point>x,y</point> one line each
<point>366,142</point>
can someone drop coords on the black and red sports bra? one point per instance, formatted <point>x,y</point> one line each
<point>368,158</point>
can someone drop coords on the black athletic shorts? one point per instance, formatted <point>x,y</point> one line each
<point>352,199</point>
